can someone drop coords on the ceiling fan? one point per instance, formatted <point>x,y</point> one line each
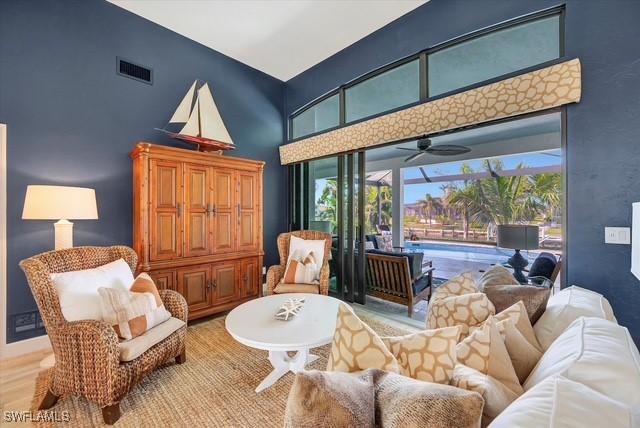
<point>425,147</point>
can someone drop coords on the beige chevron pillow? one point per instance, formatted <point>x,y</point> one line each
<point>467,311</point>
<point>357,347</point>
<point>429,355</point>
<point>485,351</point>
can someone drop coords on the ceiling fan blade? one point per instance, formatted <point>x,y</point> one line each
<point>407,148</point>
<point>447,150</point>
<point>415,156</point>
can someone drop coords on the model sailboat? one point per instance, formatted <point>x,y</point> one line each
<point>198,121</point>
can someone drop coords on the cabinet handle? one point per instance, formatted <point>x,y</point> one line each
<point>206,289</point>
<point>209,210</point>
<point>213,284</point>
<point>179,207</point>
<point>238,213</point>
<point>213,209</point>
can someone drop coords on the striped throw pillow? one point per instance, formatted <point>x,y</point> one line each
<point>131,313</point>
<point>303,271</point>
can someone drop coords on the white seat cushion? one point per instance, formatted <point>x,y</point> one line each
<point>562,403</point>
<point>597,353</point>
<point>132,349</point>
<point>78,290</point>
<point>565,307</point>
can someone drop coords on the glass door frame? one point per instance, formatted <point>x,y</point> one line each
<point>350,264</point>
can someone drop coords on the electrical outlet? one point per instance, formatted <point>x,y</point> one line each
<point>617,235</point>
<point>264,270</point>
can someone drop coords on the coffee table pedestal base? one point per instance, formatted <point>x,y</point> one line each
<point>282,364</point>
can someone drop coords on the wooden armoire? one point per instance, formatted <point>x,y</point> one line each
<point>197,225</point>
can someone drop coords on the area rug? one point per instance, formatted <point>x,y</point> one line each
<point>214,388</point>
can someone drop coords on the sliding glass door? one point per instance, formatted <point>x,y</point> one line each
<point>328,195</point>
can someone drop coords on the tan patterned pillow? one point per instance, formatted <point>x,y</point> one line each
<point>497,397</point>
<point>429,355</point>
<point>357,347</point>
<point>303,271</point>
<point>485,351</point>
<point>456,286</point>
<point>468,310</point>
<point>131,313</point>
<point>518,314</point>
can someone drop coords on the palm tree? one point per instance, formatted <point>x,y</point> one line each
<point>429,204</point>
<point>375,214</point>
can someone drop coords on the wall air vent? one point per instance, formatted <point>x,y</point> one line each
<point>134,71</point>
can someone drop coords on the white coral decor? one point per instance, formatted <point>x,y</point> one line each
<point>290,308</point>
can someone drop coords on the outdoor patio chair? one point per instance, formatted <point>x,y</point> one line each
<point>390,277</point>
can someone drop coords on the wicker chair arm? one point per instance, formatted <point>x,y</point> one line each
<point>83,347</point>
<point>324,279</point>
<point>274,276</point>
<point>175,303</point>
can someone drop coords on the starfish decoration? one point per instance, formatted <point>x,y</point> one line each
<point>290,308</point>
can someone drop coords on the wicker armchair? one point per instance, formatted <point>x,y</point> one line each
<point>275,273</point>
<point>86,352</point>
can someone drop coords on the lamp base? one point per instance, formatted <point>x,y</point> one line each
<point>518,262</point>
<point>64,234</point>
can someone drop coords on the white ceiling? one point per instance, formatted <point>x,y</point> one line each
<point>280,37</point>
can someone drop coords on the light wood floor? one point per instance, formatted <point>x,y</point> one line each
<point>18,379</point>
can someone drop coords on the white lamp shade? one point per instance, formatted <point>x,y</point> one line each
<point>59,202</point>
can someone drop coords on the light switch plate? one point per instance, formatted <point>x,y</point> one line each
<point>617,235</point>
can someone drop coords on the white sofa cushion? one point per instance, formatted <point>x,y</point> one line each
<point>78,289</point>
<point>132,349</point>
<point>562,403</point>
<point>565,307</point>
<point>597,353</point>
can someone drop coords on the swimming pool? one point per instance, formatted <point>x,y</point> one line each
<point>471,253</point>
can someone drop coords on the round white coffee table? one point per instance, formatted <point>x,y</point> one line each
<point>253,324</point>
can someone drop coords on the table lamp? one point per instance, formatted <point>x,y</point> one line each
<point>60,203</point>
<point>518,237</point>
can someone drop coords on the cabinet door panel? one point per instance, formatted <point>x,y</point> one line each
<point>224,216</point>
<point>194,284</point>
<point>248,208</point>
<point>166,197</point>
<point>164,280</point>
<point>225,282</point>
<point>197,215</point>
<point>249,277</point>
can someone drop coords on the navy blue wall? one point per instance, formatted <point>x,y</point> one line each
<point>603,154</point>
<point>72,120</point>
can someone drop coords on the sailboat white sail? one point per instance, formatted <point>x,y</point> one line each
<point>200,120</point>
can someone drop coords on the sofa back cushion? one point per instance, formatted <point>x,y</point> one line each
<point>597,353</point>
<point>565,307</point>
<point>562,403</point>
<point>78,290</point>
